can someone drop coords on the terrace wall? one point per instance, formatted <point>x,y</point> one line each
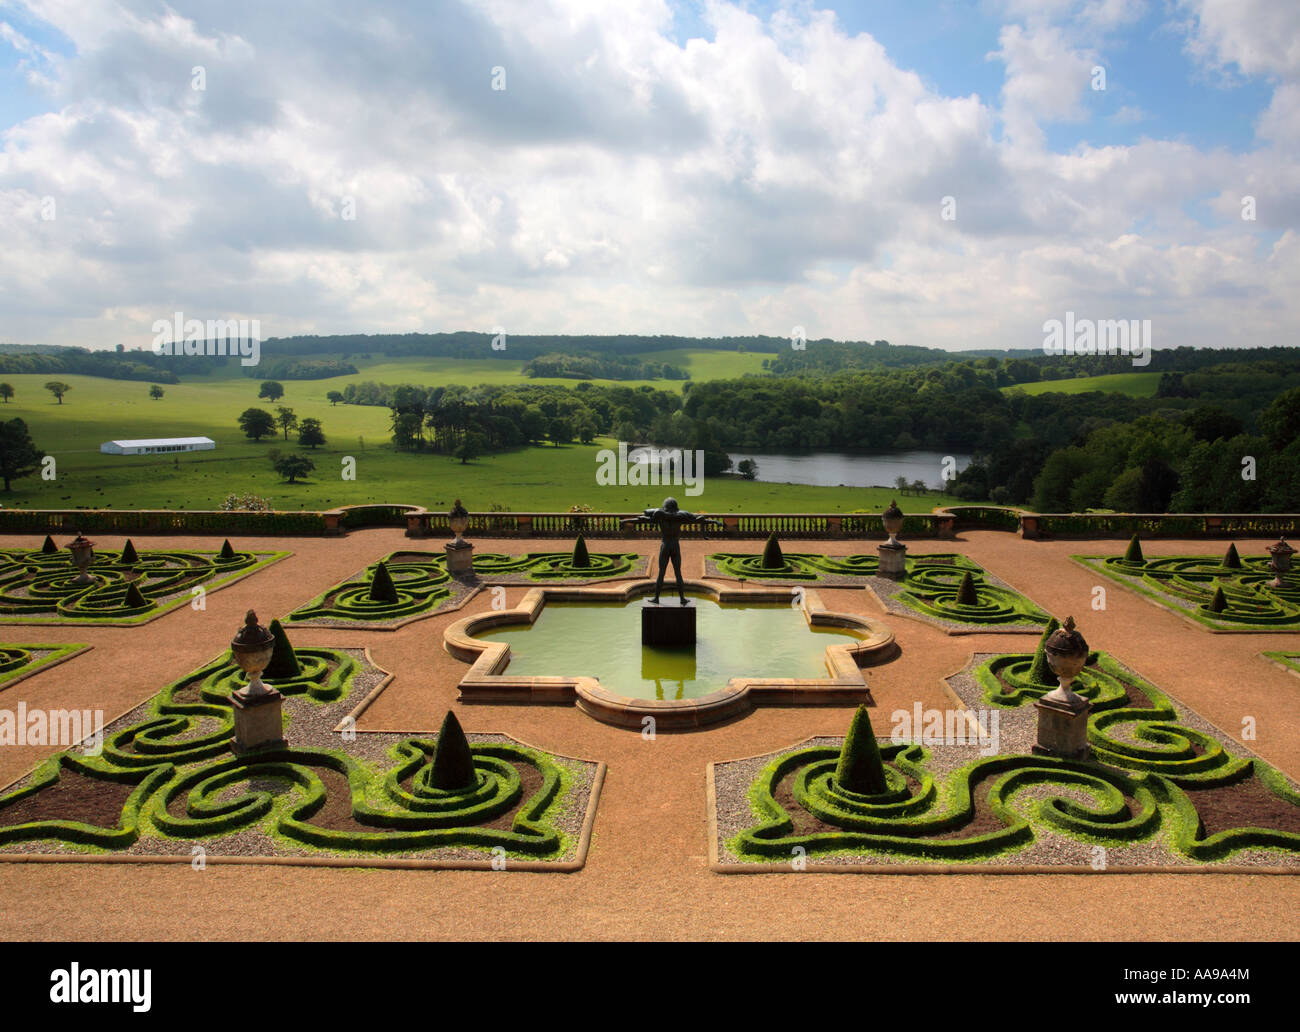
<point>420,522</point>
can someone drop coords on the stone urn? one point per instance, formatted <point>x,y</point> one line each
<point>1067,653</point>
<point>892,553</point>
<point>1280,563</point>
<point>83,554</point>
<point>460,553</point>
<point>892,519</point>
<point>252,647</point>
<point>1063,713</point>
<point>458,520</point>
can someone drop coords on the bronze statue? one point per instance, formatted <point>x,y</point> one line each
<point>670,520</point>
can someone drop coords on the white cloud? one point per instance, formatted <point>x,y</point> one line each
<point>783,173</point>
<point>1260,37</point>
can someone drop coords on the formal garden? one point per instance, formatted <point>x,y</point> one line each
<point>1061,757</point>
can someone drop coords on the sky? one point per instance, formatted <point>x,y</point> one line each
<point>934,172</point>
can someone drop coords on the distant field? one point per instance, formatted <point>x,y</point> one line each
<point>1138,385</point>
<point>710,365</point>
<point>433,372</point>
<point>535,478</point>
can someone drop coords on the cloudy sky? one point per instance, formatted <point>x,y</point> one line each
<point>651,167</point>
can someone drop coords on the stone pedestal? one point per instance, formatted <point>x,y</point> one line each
<point>668,623</point>
<point>258,724</point>
<point>1063,727</point>
<point>460,558</point>
<point>893,560</point>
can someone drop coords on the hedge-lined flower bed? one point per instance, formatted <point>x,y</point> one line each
<point>129,587</point>
<point>166,779</point>
<point>1152,778</point>
<point>1232,593</point>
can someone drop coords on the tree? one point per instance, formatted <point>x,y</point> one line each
<point>310,433</point>
<point>453,762</point>
<point>533,424</point>
<point>748,468</point>
<point>293,466</point>
<point>1280,422</point>
<point>334,397</point>
<point>271,390</point>
<point>19,456</point>
<point>6,391</point>
<point>58,388</point>
<point>155,392</point>
<point>256,423</point>
<point>287,420</point>
<point>586,426</point>
<point>560,431</point>
<point>471,447</point>
<point>406,429</point>
<point>860,768</point>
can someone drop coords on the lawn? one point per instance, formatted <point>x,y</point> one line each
<point>542,478</point>
<point>1137,385</point>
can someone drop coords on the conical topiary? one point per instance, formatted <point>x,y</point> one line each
<point>966,593</point>
<point>1133,554</point>
<point>49,547</point>
<point>1040,671</point>
<point>860,768</point>
<point>129,554</point>
<point>581,557</point>
<point>1231,560</point>
<point>453,763</point>
<point>772,557</point>
<point>1219,601</point>
<point>284,661</point>
<point>382,588</point>
<point>135,597</point>
<point>226,551</point>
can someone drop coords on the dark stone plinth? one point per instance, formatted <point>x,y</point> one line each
<point>667,623</point>
<point>258,724</point>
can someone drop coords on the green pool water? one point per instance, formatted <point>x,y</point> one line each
<point>603,640</point>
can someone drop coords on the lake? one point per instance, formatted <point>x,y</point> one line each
<point>851,469</point>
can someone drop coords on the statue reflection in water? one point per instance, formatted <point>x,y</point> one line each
<point>670,521</point>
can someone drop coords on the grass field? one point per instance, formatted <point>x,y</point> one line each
<point>1138,385</point>
<point>703,365</point>
<point>538,478</point>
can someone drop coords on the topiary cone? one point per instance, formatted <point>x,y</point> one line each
<point>772,557</point>
<point>1231,560</point>
<point>1219,601</point>
<point>966,593</point>
<point>382,588</point>
<point>453,763</point>
<point>284,663</point>
<point>135,597</point>
<point>1133,554</point>
<point>581,557</point>
<point>860,768</point>
<point>129,555</point>
<point>49,548</point>
<point>1040,671</point>
<point>226,551</point>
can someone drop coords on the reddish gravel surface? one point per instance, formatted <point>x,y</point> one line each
<point>647,874</point>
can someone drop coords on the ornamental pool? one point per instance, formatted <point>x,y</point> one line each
<point>603,640</point>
